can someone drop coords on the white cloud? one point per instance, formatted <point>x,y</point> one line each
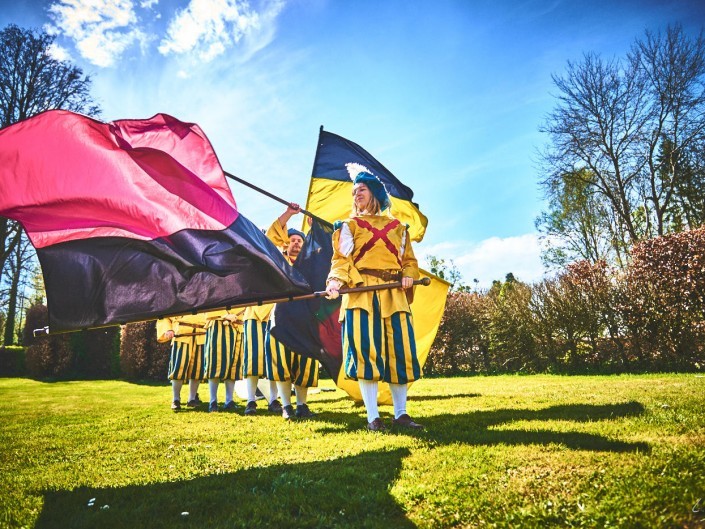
<point>492,258</point>
<point>102,29</point>
<point>208,28</point>
<point>59,53</point>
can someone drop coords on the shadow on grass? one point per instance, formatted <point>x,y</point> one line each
<point>480,427</point>
<point>420,398</point>
<point>346,492</point>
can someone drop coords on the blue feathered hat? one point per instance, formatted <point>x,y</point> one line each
<point>293,231</point>
<point>375,185</point>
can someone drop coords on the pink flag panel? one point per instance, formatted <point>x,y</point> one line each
<point>66,177</point>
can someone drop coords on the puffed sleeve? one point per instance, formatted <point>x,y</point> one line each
<point>164,325</point>
<point>342,267</point>
<point>409,264</point>
<point>278,234</point>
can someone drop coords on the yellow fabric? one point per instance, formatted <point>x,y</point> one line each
<point>178,325</point>
<point>427,310</point>
<point>331,200</point>
<point>277,234</point>
<point>378,257</point>
<point>380,359</point>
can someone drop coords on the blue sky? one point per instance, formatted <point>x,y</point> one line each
<point>448,95</point>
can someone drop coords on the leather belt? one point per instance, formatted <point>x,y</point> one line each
<point>384,275</point>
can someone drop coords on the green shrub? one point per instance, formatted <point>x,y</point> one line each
<point>12,361</point>
<point>141,356</point>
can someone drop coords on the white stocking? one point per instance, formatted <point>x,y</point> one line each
<point>368,388</point>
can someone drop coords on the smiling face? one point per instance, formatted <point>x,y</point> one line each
<point>295,243</point>
<point>361,196</point>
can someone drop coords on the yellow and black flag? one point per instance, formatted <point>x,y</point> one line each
<point>330,192</point>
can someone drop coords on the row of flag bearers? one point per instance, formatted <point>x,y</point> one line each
<point>225,346</point>
<point>158,232</point>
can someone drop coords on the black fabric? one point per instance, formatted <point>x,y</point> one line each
<point>310,327</point>
<point>112,280</point>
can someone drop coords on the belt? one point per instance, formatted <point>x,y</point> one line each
<point>384,275</point>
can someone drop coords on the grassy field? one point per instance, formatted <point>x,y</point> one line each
<point>508,451</point>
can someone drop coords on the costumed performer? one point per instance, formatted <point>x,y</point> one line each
<point>285,366</point>
<point>223,355</point>
<point>373,248</point>
<point>187,337</point>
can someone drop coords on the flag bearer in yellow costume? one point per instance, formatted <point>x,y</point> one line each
<point>284,365</point>
<point>223,355</point>
<point>187,337</point>
<point>373,248</point>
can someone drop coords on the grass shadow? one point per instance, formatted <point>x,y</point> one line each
<point>345,492</point>
<point>479,427</point>
<point>420,398</point>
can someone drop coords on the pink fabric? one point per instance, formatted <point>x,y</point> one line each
<point>65,176</point>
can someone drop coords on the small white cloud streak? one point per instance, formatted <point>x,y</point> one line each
<point>208,28</point>
<point>492,259</point>
<point>102,29</point>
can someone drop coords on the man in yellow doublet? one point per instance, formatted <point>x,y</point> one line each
<point>285,366</point>
<point>187,336</point>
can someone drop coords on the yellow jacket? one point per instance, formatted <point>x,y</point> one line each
<point>372,242</point>
<point>179,324</point>
<point>278,235</point>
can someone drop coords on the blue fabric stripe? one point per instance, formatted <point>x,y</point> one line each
<point>400,355</point>
<point>365,344</point>
<point>415,366</point>
<point>377,323</point>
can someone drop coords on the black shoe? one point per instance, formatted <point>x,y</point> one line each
<point>213,407</point>
<point>193,403</point>
<point>251,408</point>
<point>302,412</point>
<point>376,426</point>
<point>230,406</point>
<point>176,405</point>
<point>275,406</point>
<point>288,412</point>
<point>197,400</point>
<point>404,421</point>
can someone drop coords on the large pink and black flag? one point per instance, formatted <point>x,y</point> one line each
<point>133,220</point>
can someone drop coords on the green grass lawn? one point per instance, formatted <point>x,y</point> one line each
<point>507,451</point>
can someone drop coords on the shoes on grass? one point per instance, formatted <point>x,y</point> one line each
<point>193,403</point>
<point>251,408</point>
<point>404,421</point>
<point>275,406</point>
<point>230,406</point>
<point>176,405</point>
<point>302,412</point>
<point>213,407</point>
<point>376,426</point>
<point>288,412</point>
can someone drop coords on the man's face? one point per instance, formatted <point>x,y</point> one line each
<point>295,242</point>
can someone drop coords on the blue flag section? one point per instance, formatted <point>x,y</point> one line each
<point>330,190</point>
<point>310,327</point>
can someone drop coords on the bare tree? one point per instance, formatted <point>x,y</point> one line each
<point>610,125</point>
<point>33,81</point>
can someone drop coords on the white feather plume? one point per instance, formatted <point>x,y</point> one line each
<point>355,168</point>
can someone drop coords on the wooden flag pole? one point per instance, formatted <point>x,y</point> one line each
<point>320,294</point>
<point>274,197</point>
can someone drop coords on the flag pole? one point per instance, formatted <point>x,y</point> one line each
<point>425,281</point>
<point>275,197</point>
